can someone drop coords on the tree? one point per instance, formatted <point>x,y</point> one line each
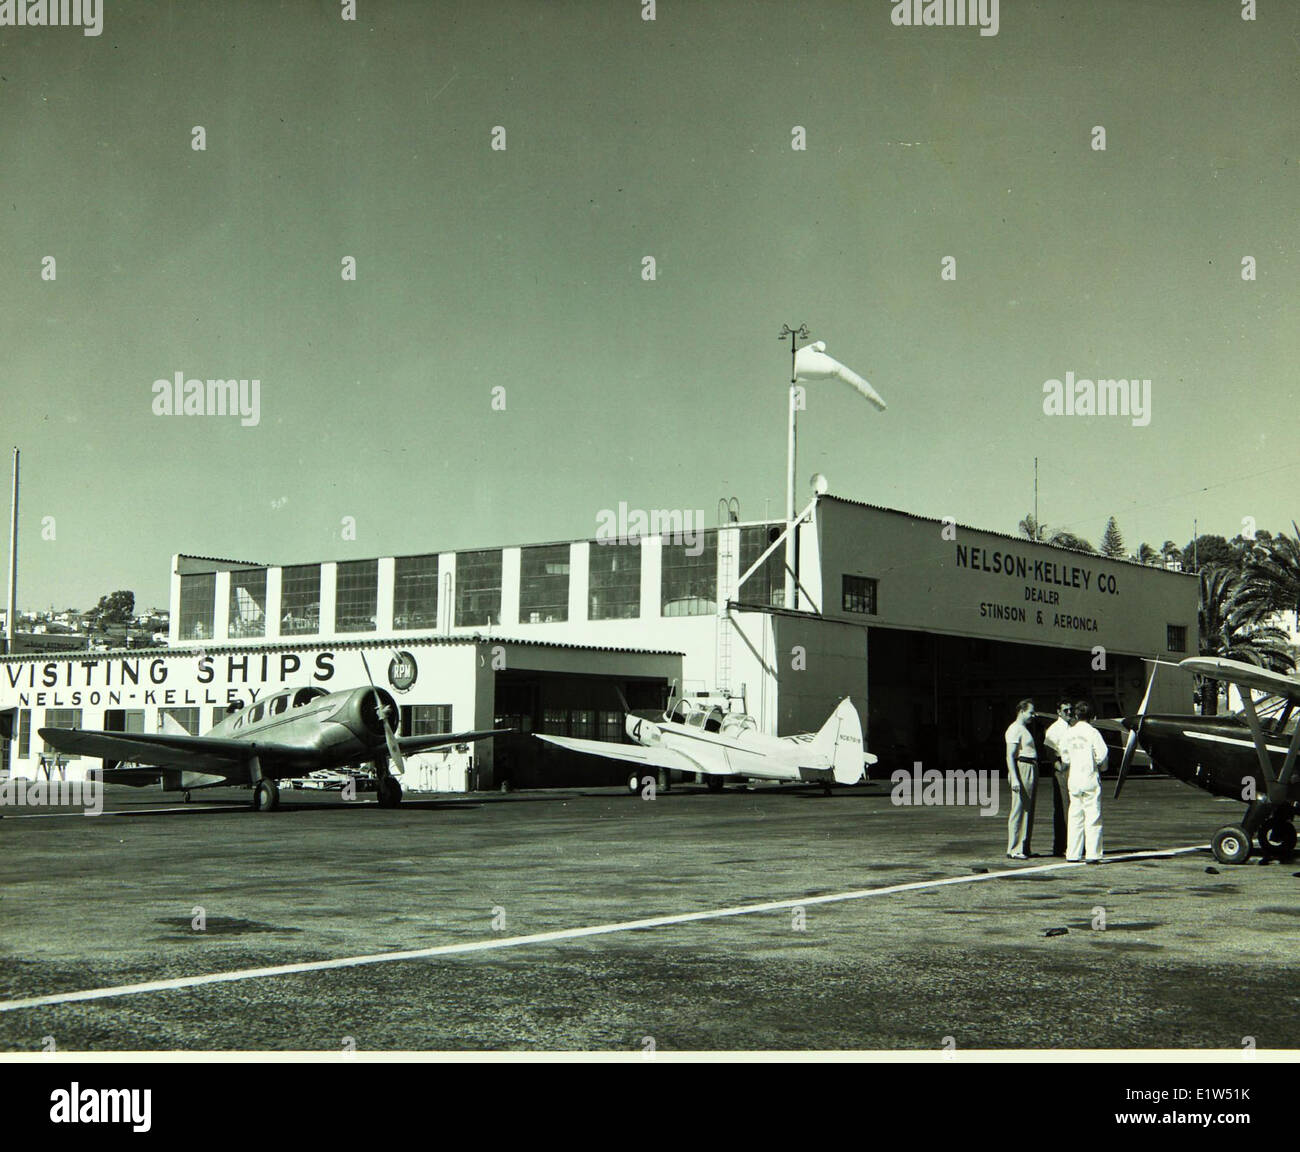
<point>1170,551</point>
<point>115,608</point>
<point>1034,528</point>
<point>1224,629</point>
<point>1112,542</point>
<point>1270,578</point>
<point>1064,539</point>
<point>1146,554</point>
<point>1208,552</point>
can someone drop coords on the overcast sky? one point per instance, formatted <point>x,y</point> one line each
<point>522,268</point>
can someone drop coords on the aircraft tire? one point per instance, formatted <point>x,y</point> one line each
<point>266,796</point>
<point>390,793</point>
<point>1231,845</point>
<point>1277,838</point>
<point>716,783</point>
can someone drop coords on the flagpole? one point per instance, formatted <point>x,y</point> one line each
<point>791,455</point>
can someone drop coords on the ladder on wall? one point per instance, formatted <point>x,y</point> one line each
<point>726,581</point>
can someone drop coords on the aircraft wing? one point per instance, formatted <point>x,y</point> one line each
<point>658,757</point>
<point>413,744</point>
<point>198,753</point>
<point>1244,675</point>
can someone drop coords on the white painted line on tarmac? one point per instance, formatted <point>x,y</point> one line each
<point>491,943</point>
<point>231,807</point>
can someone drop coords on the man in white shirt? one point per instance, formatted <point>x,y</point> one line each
<point>1060,790</point>
<point>1022,774</point>
<point>1084,753</point>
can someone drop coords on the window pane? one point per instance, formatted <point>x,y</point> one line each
<point>24,734</point>
<point>859,594</point>
<point>614,581</point>
<point>767,585</point>
<point>426,719</point>
<point>544,584</point>
<point>689,582</point>
<point>300,599</point>
<point>61,718</point>
<point>169,719</point>
<point>198,605</point>
<point>415,592</point>
<point>478,587</point>
<point>248,603</point>
<point>356,596</point>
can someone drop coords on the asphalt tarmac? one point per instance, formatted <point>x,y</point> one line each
<point>1158,952</point>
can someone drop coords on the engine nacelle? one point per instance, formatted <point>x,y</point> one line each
<point>363,713</point>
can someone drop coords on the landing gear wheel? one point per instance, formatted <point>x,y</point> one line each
<point>665,780</point>
<point>1231,845</point>
<point>634,783</point>
<point>1277,838</point>
<point>266,796</point>
<point>187,797</point>
<point>390,792</point>
<point>826,789</point>
<point>716,783</point>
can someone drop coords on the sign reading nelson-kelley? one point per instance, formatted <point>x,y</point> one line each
<point>1043,580</point>
<point>937,576</point>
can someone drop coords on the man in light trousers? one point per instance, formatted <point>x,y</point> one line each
<point>1084,753</point>
<point>1022,775</point>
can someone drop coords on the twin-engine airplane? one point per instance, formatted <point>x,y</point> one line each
<point>291,733</point>
<point>692,737</point>
<point>1242,756</point>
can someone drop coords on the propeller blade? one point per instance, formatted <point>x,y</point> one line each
<point>1130,745</point>
<point>397,761</point>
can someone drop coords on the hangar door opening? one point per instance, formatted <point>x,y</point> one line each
<point>947,700</point>
<point>564,704</point>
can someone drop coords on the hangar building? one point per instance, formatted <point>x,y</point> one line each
<point>934,629</point>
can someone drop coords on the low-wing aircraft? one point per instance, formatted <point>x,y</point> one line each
<point>289,734</point>
<point>695,737</point>
<point>1242,756</point>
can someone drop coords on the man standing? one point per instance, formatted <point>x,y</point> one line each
<point>1084,753</point>
<point>1060,790</point>
<point>1022,774</point>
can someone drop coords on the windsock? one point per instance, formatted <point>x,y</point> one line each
<point>812,363</point>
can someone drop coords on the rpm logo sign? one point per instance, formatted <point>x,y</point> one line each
<point>402,671</point>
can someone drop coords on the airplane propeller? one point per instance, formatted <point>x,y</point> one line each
<point>398,761</point>
<point>1130,745</point>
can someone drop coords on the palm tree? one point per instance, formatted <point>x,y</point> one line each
<point>1270,578</point>
<point>1032,527</point>
<point>1170,551</point>
<point>1225,630</point>
<point>1146,554</point>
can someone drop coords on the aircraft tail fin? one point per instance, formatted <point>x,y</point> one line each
<point>840,739</point>
<point>170,726</point>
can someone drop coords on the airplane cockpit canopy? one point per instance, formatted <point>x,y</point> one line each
<point>305,696</point>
